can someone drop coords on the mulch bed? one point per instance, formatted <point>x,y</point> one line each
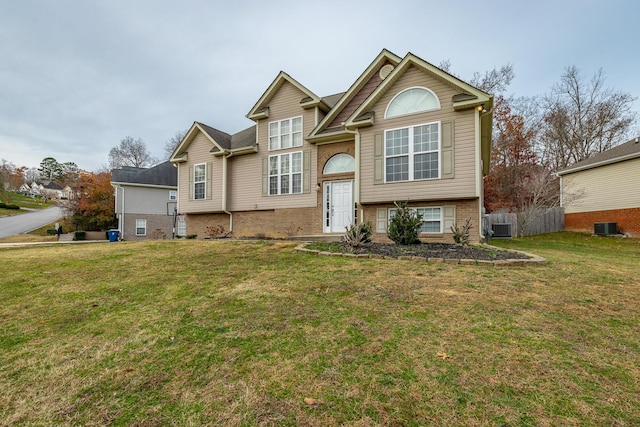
<point>437,250</point>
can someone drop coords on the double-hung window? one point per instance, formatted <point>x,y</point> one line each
<point>412,153</point>
<point>431,219</point>
<point>141,227</point>
<point>285,173</point>
<point>173,195</point>
<point>285,134</point>
<point>199,181</point>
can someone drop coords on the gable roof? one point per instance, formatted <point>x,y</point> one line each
<point>222,142</point>
<point>620,153</point>
<point>383,57</point>
<point>261,108</point>
<point>162,175</point>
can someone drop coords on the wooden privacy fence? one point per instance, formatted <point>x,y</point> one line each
<point>538,221</point>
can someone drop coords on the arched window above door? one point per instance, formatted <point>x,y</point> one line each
<point>340,163</point>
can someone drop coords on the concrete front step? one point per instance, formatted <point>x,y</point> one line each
<point>68,237</point>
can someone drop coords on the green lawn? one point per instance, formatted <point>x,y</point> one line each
<point>254,333</point>
<point>25,203</point>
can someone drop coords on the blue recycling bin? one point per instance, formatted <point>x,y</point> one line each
<point>113,235</point>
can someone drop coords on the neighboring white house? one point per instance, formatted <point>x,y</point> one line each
<point>49,189</point>
<point>609,188</point>
<point>146,201</point>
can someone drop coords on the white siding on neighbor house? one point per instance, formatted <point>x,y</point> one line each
<point>465,182</point>
<point>245,172</point>
<point>614,186</point>
<point>199,151</point>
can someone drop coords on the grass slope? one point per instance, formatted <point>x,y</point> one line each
<point>253,333</point>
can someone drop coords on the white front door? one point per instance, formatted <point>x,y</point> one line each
<point>338,206</point>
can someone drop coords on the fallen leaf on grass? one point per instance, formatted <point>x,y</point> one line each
<point>310,401</point>
<point>443,356</point>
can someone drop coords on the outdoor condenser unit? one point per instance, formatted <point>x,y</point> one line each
<point>501,230</point>
<point>605,228</point>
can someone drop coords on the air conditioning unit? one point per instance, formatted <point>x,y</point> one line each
<point>605,228</point>
<point>501,230</point>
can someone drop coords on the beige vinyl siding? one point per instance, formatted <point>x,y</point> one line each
<point>199,151</point>
<point>614,186</point>
<point>245,172</point>
<point>463,185</point>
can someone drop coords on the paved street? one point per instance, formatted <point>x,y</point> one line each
<point>23,223</point>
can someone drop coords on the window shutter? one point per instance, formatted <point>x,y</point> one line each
<point>378,159</point>
<point>381,220</point>
<point>208,183</point>
<point>447,150</point>
<point>265,176</point>
<point>190,182</point>
<point>306,171</point>
<point>448,217</point>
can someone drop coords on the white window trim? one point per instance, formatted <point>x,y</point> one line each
<point>414,208</point>
<point>411,154</point>
<point>204,180</point>
<point>290,174</point>
<point>145,227</point>
<point>173,195</point>
<point>279,146</point>
<point>386,111</point>
<point>181,226</point>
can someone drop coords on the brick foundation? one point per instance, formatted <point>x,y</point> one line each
<point>464,209</point>
<point>157,227</point>
<point>628,220</point>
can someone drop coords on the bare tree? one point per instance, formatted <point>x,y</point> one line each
<point>582,118</point>
<point>173,142</point>
<point>131,152</point>
<point>31,175</point>
<point>493,81</point>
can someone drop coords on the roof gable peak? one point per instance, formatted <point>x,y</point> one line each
<point>261,108</point>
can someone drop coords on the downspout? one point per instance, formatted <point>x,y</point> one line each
<point>121,224</point>
<point>225,156</point>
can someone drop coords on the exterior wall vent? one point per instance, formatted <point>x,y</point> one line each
<point>385,71</point>
<point>501,230</point>
<point>605,228</point>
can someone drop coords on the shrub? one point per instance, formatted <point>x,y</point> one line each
<point>79,235</point>
<point>357,235</point>
<point>15,207</point>
<point>51,232</point>
<point>3,205</point>
<point>404,225</point>
<point>191,236</point>
<point>216,232</point>
<point>461,235</point>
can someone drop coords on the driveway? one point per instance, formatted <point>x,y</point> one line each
<point>26,222</point>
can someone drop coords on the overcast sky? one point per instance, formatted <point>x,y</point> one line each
<point>78,76</point>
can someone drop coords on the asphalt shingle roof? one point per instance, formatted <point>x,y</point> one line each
<point>164,174</point>
<point>621,151</point>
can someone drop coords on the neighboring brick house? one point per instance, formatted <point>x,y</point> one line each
<point>145,202</point>
<point>404,131</point>
<point>608,189</point>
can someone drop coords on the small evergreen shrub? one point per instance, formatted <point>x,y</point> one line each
<point>79,235</point>
<point>51,232</point>
<point>357,235</point>
<point>461,235</point>
<point>14,207</point>
<point>191,236</point>
<point>3,205</point>
<point>405,225</point>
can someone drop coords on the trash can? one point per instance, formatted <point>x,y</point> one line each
<point>113,235</point>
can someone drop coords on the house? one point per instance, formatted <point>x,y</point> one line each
<point>145,201</point>
<point>47,189</point>
<point>405,130</point>
<point>604,188</point>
